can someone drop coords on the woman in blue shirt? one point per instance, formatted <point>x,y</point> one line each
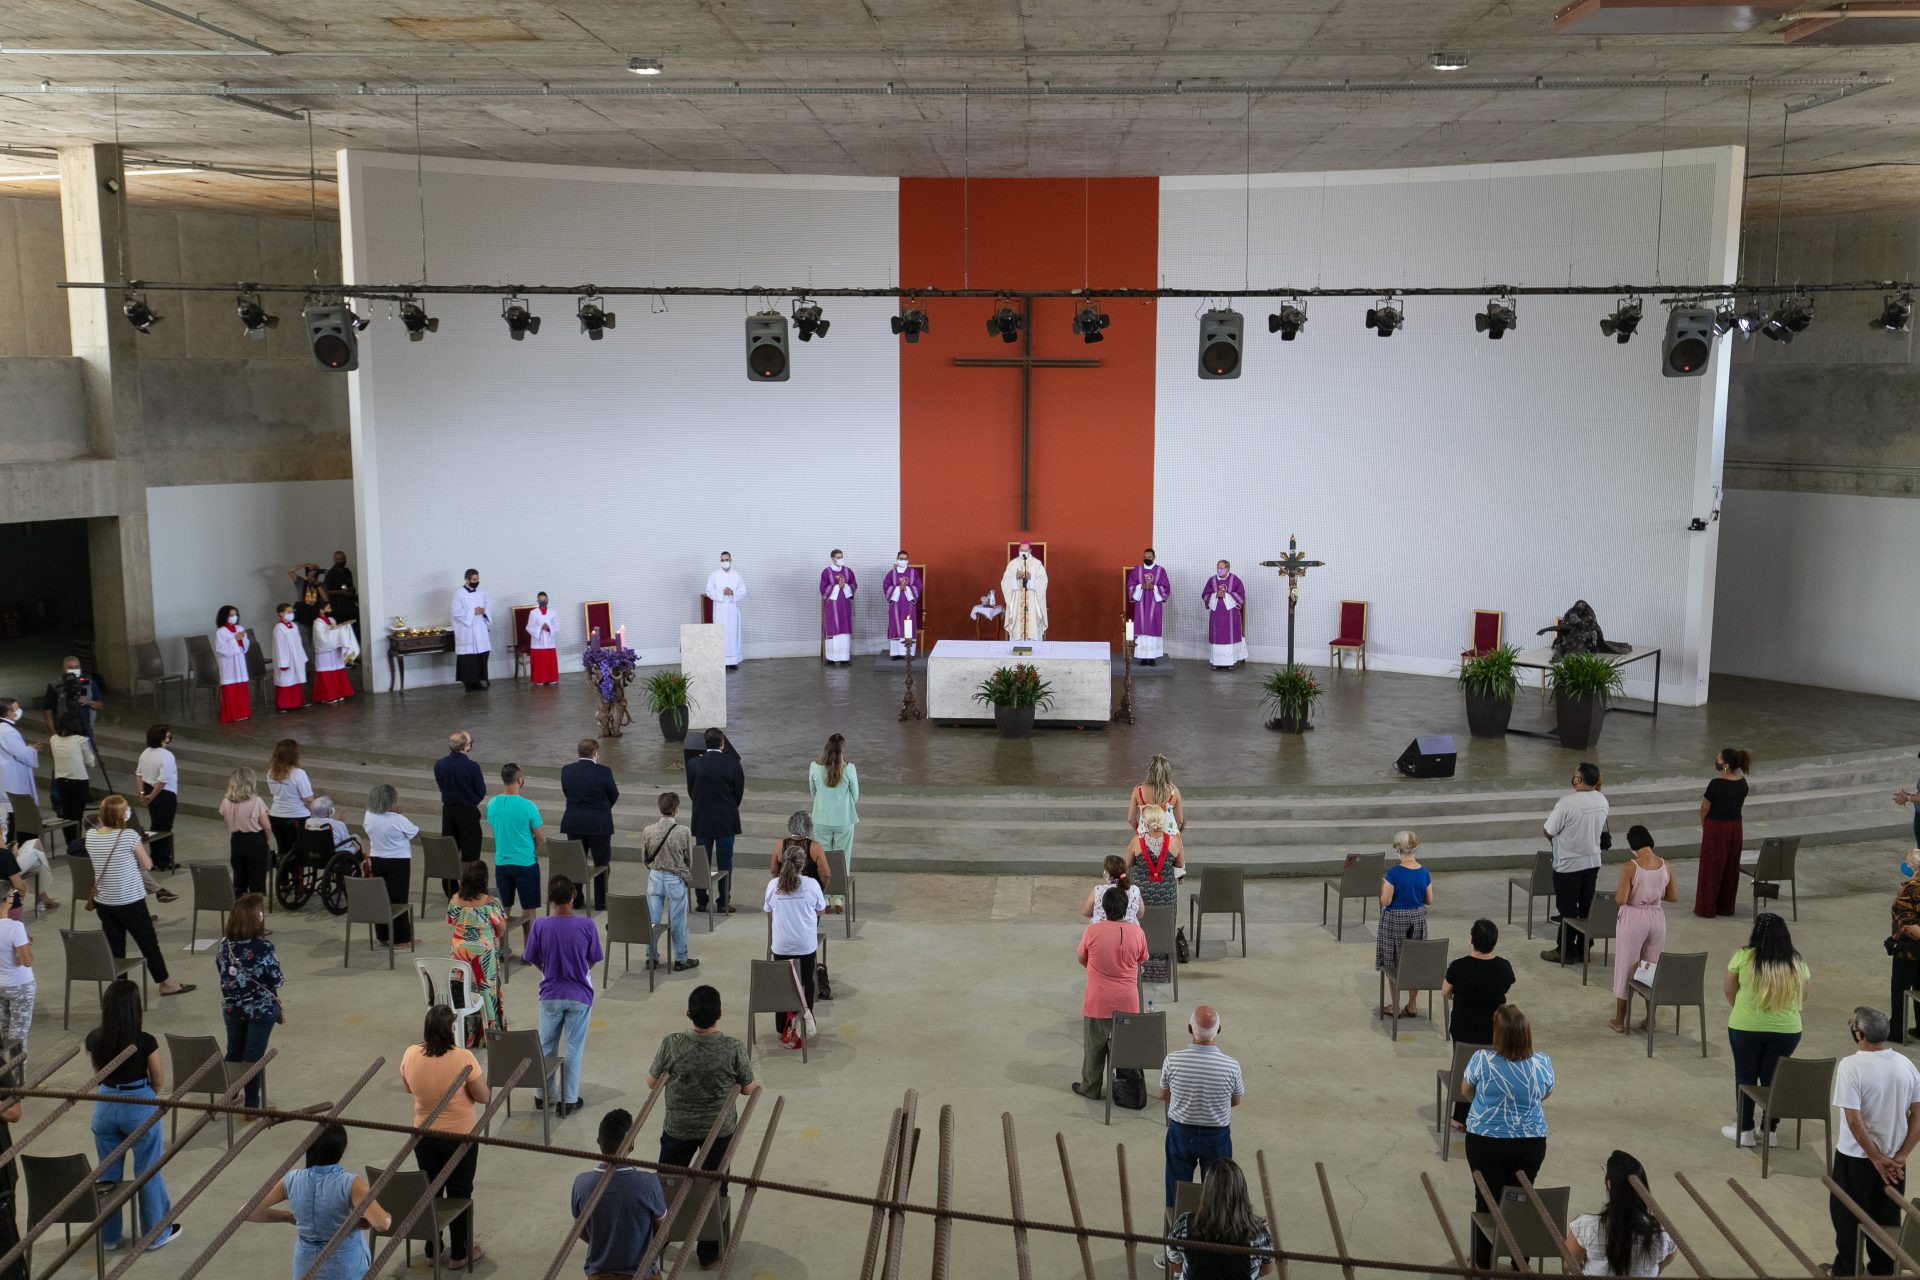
<point>1507,1123</point>
<point>1405,895</point>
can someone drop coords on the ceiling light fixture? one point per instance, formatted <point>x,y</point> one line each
<point>1090,323</point>
<point>1289,320</point>
<point>520,320</point>
<point>419,324</point>
<point>1624,322</point>
<point>910,324</point>
<point>645,66</point>
<point>253,315</point>
<point>595,320</point>
<point>138,313</point>
<point>1789,319</point>
<point>1497,319</point>
<point>1449,62</point>
<point>1004,323</point>
<point>807,320</point>
<point>1896,314</point>
<point>1384,317</point>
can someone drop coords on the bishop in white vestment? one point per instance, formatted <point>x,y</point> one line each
<point>726,588</point>
<point>289,664</point>
<point>1024,587</point>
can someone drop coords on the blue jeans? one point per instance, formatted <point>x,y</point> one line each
<point>667,903</point>
<point>564,1020</point>
<point>719,858</point>
<point>112,1122</point>
<point>1191,1147</point>
<point>247,1042</point>
<point>1755,1054</point>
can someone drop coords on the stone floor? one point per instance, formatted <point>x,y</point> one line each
<point>965,989</point>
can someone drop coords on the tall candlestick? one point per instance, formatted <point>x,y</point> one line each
<point>1129,631</point>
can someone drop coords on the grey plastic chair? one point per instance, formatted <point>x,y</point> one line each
<point>569,858</point>
<point>150,668</point>
<point>1602,925</point>
<point>90,959</point>
<point>708,881</point>
<point>28,821</point>
<point>212,891</point>
<point>629,921</point>
<point>687,1228</point>
<point>1774,866</point>
<point>1446,1092</point>
<point>405,1189</point>
<point>80,867</point>
<point>1802,1090</point>
<point>1162,925</point>
<point>186,1055</point>
<point>819,940</point>
<point>439,863</point>
<point>1908,1239</point>
<point>203,673</point>
<point>1538,883</point>
<point>367,904</point>
<point>258,677</point>
<point>51,1179</point>
<point>1223,891</point>
<point>1523,1220</point>
<point>1678,980</point>
<point>1138,1042</point>
<point>1358,879</point>
<point>507,1051</point>
<point>1422,967</point>
<point>770,989</point>
<point>842,883</point>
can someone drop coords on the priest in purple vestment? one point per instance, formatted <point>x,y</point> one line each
<point>837,585</point>
<point>1147,590</point>
<point>902,589</point>
<point>1226,600</point>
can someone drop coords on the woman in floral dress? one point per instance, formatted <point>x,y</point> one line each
<point>479,927</point>
<point>1153,857</point>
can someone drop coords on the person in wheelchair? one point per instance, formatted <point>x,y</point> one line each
<point>321,819</point>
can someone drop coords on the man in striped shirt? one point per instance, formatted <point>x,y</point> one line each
<point>1201,1086</point>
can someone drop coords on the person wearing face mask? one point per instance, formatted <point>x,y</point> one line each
<point>289,663</point>
<point>18,759</point>
<point>542,656</point>
<point>472,641</point>
<point>341,592</point>
<point>837,585</point>
<point>1024,586</point>
<point>333,644</point>
<point>726,589</point>
<point>1148,588</point>
<point>902,587</point>
<point>230,641</point>
<point>77,692</point>
<point>1226,599</point>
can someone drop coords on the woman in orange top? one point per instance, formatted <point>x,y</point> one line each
<point>428,1070</point>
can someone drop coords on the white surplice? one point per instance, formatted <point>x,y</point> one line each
<point>230,649</point>
<point>289,656</point>
<point>1026,607</point>
<point>470,634</point>
<point>726,608</point>
<point>333,644</point>
<point>541,626</point>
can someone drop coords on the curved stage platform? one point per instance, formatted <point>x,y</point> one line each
<point>961,800</point>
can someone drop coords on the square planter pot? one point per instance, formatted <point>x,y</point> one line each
<point>1580,720</point>
<point>1014,722</point>
<point>1488,717</point>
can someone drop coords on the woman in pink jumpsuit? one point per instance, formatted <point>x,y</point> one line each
<point>1646,883</point>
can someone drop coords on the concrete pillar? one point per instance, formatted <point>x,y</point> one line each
<point>93,216</point>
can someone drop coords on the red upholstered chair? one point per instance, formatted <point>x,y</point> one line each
<point>706,607</point>
<point>1487,625</point>
<point>597,615</point>
<point>522,646</point>
<point>1353,635</point>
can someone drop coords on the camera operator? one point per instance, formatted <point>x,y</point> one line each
<point>78,691</point>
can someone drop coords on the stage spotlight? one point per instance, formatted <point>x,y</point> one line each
<point>1288,321</point>
<point>645,66</point>
<point>911,323</point>
<point>767,347</point>
<point>1749,322</point>
<point>330,335</point>
<point>1896,314</point>
<point>1004,323</point>
<point>1384,317</point>
<point>419,324</point>
<point>1725,320</point>
<point>1090,323</point>
<point>1222,332</point>
<point>1689,342</point>
<point>595,320</point>
<point>138,313</point>
<point>1625,321</point>
<point>807,319</point>
<point>253,315</point>
<point>520,321</point>
<point>1791,317</point>
<point>1496,320</point>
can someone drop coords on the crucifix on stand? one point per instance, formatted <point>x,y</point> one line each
<point>1026,362</point>
<point>1293,566</point>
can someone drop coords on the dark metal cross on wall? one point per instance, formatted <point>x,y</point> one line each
<point>1026,362</point>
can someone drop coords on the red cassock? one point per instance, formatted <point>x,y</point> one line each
<point>545,665</point>
<point>331,686</point>
<point>234,703</point>
<point>289,697</point>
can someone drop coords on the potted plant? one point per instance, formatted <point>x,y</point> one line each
<point>1015,694</point>
<point>1489,682</point>
<point>667,698</point>
<point>1288,697</point>
<point>1582,685</point>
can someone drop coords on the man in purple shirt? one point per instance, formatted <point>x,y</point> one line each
<point>564,947</point>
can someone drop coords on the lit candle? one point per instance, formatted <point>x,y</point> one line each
<point>620,637</point>
<point>909,622</point>
<point>1129,630</point>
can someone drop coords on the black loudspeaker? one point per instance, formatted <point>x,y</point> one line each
<point>1428,757</point>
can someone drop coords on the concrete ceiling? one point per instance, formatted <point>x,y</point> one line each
<point>1137,48</point>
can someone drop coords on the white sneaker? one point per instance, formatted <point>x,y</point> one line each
<point>811,1029</point>
<point>172,1234</point>
<point>1160,1258</point>
<point>1734,1134</point>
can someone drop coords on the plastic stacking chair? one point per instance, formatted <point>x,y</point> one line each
<point>1446,1092</point>
<point>770,989</point>
<point>708,881</point>
<point>80,866</point>
<point>1802,1090</point>
<point>1138,1042</point>
<point>1678,980</point>
<point>150,668</point>
<point>569,858</point>
<point>1161,924</point>
<point>407,1188</point>
<point>507,1051</point>
<point>1601,925</point>
<point>449,982</point>
<point>1908,1239</point>
<point>629,921</point>
<point>1358,879</point>
<point>688,1228</point>
<point>819,941</point>
<point>1223,891</point>
<point>28,821</point>
<point>842,883</point>
<point>203,674</point>
<point>1773,867</point>
<point>89,959</point>
<point>212,891</point>
<point>439,863</point>
<point>1538,883</point>
<point>367,904</point>
<point>1523,1220</point>
<point>258,677</point>
<point>51,1179</point>
<point>1422,967</point>
<point>186,1055</point>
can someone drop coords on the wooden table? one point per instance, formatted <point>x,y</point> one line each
<point>400,648</point>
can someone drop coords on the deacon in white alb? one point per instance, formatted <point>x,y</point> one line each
<point>1024,585</point>
<point>289,664</point>
<point>727,589</point>
<point>542,625</point>
<point>472,640</point>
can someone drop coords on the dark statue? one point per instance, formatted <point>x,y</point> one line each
<point>1579,632</point>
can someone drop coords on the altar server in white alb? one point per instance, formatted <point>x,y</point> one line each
<point>230,641</point>
<point>837,585</point>
<point>543,625</point>
<point>1024,585</point>
<point>289,663</point>
<point>726,588</point>
<point>334,645</point>
<point>472,637</point>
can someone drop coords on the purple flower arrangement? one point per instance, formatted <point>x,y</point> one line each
<point>611,667</point>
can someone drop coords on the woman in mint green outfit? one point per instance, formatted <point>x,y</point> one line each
<point>835,787</point>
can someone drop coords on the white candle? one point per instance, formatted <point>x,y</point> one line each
<point>620,637</point>
<point>1129,630</point>
<point>909,622</point>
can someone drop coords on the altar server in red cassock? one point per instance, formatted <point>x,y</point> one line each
<point>333,645</point>
<point>230,641</point>
<point>542,628</point>
<point>289,663</point>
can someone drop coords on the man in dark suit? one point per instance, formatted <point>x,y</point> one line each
<point>462,787</point>
<point>591,793</point>
<point>716,784</point>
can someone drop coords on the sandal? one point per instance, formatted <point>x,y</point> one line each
<point>166,895</point>
<point>1618,1028</point>
<point>181,990</point>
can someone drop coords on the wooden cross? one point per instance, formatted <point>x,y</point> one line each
<point>1293,566</point>
<point>1026,363</point>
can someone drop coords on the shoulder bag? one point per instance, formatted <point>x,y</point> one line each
<point>650,854</point>
<point>114,853</point>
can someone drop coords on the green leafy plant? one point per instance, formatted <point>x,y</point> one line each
<point>1290,692</point>
<point>1016,686</point>
<point>1492,674</point>
<point>667,690</point>
<point>1585,675</point>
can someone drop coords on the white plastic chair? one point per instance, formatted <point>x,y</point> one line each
<point>458,975</point>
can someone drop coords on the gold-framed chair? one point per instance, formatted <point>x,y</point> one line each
<point>1489,625</point>
<point>1352,636</point>
<point>522,646</point>
<point>597,615</point>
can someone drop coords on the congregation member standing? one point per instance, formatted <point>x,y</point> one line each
<point>132,1086</point>
<point>1476,984</point>
<point>1226,599</point>
<point>462,787</point>
<point>334,645</point>
<point>1508,1086</point>
<point>543,654</point>
<point>1148,589</point>
<point>479,926</point>
<point>250,980</point>
<point>17,986</point>
<point>230,641</point>
<point>427,1071</point>
<point>1877,1091</point>
<point>1155,860</point>
<point>517,837</point>
<point>1159,790</point>
<point>1406,891</point>
<point>289,664</point>
<point>726,589</point>
<point>292,793</point>
<point>119,858</point>
<point>472,637</point>
<point>564,947</point>
<point>591,793</point>
<point>666,850</point>
<point>1766,984</point>
<point>716,784</point>
<point>1111,951</point>
<point>1201,1086</point>
<point>701,1066</point>
<point>1225,1216</point>
<point>319,1198</point>
<point>390,836</point>
<point>794,902</point>
<point>158,775</point>
<point>247,818</point>
<point>837,586</point>
<point>901,586</point>
<point>834,784</point>
<point>1646,884</point>
<point>630,1208</point>
<point>1623,1239</point>
<point>72,759</point>
<point>1574,827</point>
<point>1721,834</point>
<point>18,759</point>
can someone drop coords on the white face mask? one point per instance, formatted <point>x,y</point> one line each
<point>836,562</point>
<point>233,620</point>
<point>899,564</point>
<point>726,564</point>
<point>286,617</point>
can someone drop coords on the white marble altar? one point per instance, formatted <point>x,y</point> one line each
<point>1081,673</point>
<point>703,660</point>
